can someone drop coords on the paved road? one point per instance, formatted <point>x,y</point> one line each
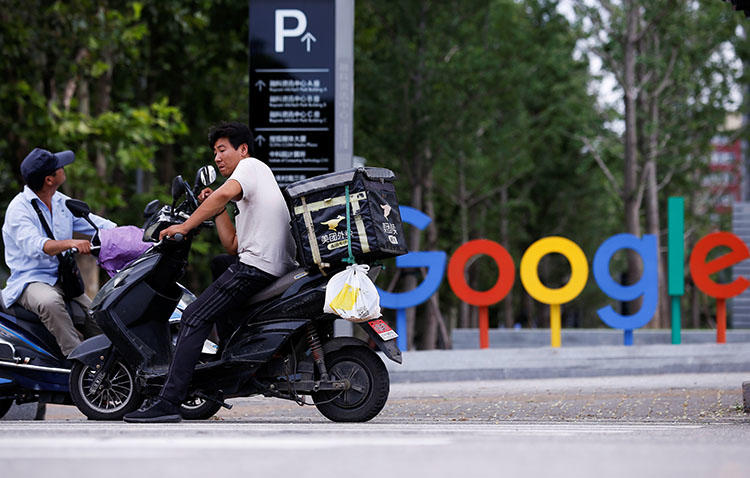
<point>666,425</point>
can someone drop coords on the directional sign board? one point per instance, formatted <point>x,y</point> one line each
<point>301,85</point>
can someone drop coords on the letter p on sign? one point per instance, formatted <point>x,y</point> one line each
<point>282,32</point>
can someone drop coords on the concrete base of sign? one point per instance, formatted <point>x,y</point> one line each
<point>746,396</point>
<point>512,338</point>
<point>27,411</point>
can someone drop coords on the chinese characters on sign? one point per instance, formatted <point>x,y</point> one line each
<point>292,86</point>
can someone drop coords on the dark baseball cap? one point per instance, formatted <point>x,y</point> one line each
<point>41,162</point>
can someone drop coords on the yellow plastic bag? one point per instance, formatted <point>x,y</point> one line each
<point>350,294</point>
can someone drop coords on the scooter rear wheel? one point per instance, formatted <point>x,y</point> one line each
<point>369,380</point>
<point>117,395</point>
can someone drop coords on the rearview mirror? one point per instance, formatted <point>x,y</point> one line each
<point>78,207</point>
<point>206,175</point>
<point>151,208</point>
<point>178,187</point>
<point>81,210</point>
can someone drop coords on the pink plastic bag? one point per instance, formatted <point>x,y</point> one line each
<point>120,246</point>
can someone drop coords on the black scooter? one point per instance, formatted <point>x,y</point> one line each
<point>285,347</point>
<point>32,367</point>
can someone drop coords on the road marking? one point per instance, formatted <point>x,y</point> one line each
<point>144,447</point>
<point>61,440</point>
<point>230,427</point>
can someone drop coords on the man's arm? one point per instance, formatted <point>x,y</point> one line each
<point>82,226</point>
<point>227,232</point>
<point>213,205</point>
<point>23,225</point>
<point>54,247</point>
<point>224,225</point>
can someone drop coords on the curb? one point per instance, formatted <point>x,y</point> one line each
<point>589,361</point>
<point>466,339</point>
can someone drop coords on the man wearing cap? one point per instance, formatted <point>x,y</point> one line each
<point>31,254</point>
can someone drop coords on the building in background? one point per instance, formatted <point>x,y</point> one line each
<point>727,182</point>
<point>729,185</point>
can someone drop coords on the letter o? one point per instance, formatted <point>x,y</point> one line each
<point>505,266</point>
<point>579,270</point>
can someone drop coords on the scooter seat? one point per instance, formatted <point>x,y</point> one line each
<point>278,287</point>
<point>23,314</point>
<point>31,323</point>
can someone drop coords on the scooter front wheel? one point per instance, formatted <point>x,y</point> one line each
<point>116,395</point>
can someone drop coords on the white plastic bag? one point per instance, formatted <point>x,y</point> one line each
<point>350,294</point>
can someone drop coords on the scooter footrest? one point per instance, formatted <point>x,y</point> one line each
<point>310,386</point>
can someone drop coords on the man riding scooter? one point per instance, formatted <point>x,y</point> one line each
<point>38,228</point>
<point>262,240</point>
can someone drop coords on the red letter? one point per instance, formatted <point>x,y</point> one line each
<point>700,269</point>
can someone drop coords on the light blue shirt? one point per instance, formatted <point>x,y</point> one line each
<point>24,238</point>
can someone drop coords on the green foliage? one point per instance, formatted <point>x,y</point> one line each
<point>131,87</point>
<point>465,100</point>
<point>128,139</point>
<point>483,95</point>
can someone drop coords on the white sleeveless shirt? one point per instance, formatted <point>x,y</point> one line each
<point>264,237</point>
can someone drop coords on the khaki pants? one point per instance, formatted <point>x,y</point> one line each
<point>47,302</point>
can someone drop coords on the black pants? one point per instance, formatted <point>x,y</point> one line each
<point>220,263</point>
<point>216,304</point>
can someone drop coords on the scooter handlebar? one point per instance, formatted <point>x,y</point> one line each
<point>75,250</point>
<point>176,238</point>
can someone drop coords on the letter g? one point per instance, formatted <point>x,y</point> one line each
<point>434,261</point>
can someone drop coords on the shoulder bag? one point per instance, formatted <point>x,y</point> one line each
<point>67,272</point>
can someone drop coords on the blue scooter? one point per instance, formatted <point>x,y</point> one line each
<point>32,367</point>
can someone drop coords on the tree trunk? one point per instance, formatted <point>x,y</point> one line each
<point>505,241</point>
<point>411,280</point>
<point>437,333</point>
<point>530,310</point>
<point>630,184</point>
<point>652,224</point>
<point>102,101</point>
<point>428,327</point>
<point>463,208</point>
<point>695,306</point>
<point>695,313</point>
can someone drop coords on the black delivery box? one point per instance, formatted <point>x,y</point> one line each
<point>318,209</point>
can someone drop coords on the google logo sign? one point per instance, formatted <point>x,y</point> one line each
<point>646,288</point>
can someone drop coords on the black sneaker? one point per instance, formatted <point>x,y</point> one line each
<point>160,411</point>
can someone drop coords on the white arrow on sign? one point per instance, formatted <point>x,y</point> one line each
<point>308,37</point>
<point>260,84</point>
<point>259,139</point>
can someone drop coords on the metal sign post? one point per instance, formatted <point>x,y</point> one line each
<point>302,85</point>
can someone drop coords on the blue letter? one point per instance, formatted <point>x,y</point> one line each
<point>647,286</point>
<point>434,261</point>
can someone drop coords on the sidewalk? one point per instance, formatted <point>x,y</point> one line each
<point>544,362</point>
<point>579,361</point>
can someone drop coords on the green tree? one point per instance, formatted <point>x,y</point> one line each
<point>671,65</point>
<point>122,84</point>
<point>486,135</point>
